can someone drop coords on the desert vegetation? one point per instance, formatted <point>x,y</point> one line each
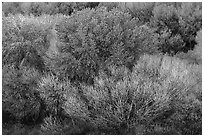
<point>97,68</point>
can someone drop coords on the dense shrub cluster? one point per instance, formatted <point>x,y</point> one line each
<point>153,99</point>
<point>94,38</point>
<point>40,8</point>
<point>19,97</point>
<point>177,23</point>
<point>102,68</point>
<point>177,26</point>
<point>25,39</point>
<point>140,10</point>
<point>24,45</point>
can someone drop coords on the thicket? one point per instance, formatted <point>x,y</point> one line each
<point>40,8</point>
<point>102,68</point>
<point>178,26</point>
<point>93,39</point>
<point>176,23</point>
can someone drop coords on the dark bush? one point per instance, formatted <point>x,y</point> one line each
<point>195,55</point>
<point>166,20</point>
<point>177,26</point>
<point>190,22</point>
<point>19,96</point>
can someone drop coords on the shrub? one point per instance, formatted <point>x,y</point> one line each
<point>176,26</point>
<point>172,68</point>
<point>193,56</point>
<point>66,110</point>
<point>96,72</point>
<point>41,8</point>
<point>190,22</point>
<point>198,47</point>
<point>19,96</point>
<point>174,4</point>
<point>108,5</point>
<point>139,100</point>
<point>90,39</point>
<point>166,20</point>
<point>25,40</point>
<point>24,45</point>
<point>51,126</point>
<point>77,6</point>
<point>51,8</point>
<point>52,91</point>
<point>140,10</point>
<point>11,8</point>
<point>187,110</point>
<point>150,100</point>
